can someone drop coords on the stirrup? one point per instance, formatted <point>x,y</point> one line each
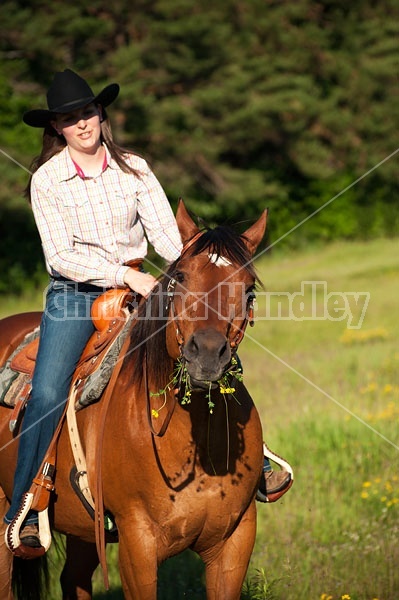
<point>285,466</point>
<point>12,539</point>
<point>281,462</point>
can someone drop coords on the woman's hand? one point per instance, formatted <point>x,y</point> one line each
<point>139,282</point>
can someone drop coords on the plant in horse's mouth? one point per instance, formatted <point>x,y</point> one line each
<point>180,383</point>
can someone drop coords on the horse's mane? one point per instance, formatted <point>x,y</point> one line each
<point>148,336</point>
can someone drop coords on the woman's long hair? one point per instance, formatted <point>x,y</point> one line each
<point>53,143</point>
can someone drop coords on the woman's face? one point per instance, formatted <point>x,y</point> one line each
<point>81,128</point>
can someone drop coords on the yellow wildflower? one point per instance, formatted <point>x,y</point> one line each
<point>155,413</point>
<point>227,390</point>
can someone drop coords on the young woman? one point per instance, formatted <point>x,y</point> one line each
<point>95,204</point>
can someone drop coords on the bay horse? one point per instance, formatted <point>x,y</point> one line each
<point>193,486</point>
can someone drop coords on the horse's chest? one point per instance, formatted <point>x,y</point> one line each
<point>208,488</point>
<point>209,502</point>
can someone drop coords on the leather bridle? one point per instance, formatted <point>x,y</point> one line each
<point>171,309</point>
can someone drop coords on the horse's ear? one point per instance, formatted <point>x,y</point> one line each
<point>254,235</point>
<point>186,225</point>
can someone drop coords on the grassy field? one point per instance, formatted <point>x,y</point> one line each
<point>329,400</point>
<point>328,394</point>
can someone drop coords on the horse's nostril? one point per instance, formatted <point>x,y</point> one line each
<point>192,347</point>
<point>222,350</point>
<point>208,352</point>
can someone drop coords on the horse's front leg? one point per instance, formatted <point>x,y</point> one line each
<point>6,558</point>
<point>81,562</point>
<point>137,558</point>
<point>225,572</point>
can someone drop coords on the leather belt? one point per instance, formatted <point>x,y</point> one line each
<point>80,286</point>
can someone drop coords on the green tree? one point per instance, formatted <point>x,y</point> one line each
<point>238,105</point>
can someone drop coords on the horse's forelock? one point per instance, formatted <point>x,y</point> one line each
<point>224,242</point>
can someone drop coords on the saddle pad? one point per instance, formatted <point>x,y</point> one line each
<point>20,385</point>
<point>7,381</point>
<point>9,377</point>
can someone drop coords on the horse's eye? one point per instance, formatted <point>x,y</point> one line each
<point>179,276</point>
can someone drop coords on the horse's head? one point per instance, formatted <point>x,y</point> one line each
<point>210,296</point>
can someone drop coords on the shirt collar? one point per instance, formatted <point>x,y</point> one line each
<point>68,169</point>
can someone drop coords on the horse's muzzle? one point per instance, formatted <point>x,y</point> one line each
<point>207,353</point>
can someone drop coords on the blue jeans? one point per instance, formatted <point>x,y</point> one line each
<point>65,328</point>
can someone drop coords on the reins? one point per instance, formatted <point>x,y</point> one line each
<point>171,408</point>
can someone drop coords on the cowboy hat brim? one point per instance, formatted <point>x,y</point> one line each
<point>41,117</point>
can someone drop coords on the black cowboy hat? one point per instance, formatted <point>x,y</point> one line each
<point>67,93</point>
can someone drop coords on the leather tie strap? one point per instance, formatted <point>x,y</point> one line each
<point>99,499</point>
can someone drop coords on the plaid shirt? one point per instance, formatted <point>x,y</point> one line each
<point>90,226</point>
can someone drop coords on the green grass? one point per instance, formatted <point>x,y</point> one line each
<point>329,402</point>
<point>31,301</point>
<point>330,405</point>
